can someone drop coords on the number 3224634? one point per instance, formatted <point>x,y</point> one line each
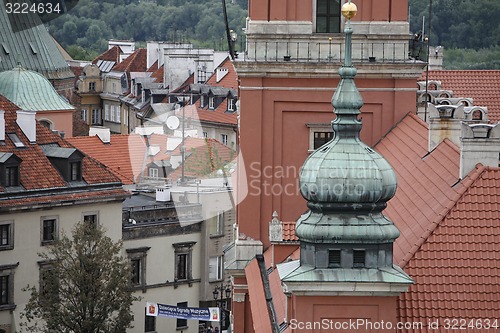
<point>34,8</point>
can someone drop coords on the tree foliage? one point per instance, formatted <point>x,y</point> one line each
<point>84,287</point>
<point>197,21</point>
<point>469,28</point>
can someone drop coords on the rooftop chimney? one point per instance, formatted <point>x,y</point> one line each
<point>27,122</point>
<point>444,123</point>
<point>2,125</point>
<point>163,194</point>
<point>103,133</point>
<point>480,143</point>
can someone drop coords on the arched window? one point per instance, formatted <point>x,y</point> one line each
<point>46,123</point>
<point>477,115</point>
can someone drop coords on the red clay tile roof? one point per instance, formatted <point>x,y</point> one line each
<point>136,62</point>
<point>156,73</point>
<point>112,54</point>
<point>483,86</point>
<point>456,268</point>
<point>426,182</point>
<point>183,87</point>
<point>36,171</point>
<point>289,232</point>
<point>228,81</point>
<point>219,115</point>
<point>125,155</point>
<point>257,296</point>
<point>202,157</point>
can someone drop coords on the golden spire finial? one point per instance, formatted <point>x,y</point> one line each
<point>349,10</point>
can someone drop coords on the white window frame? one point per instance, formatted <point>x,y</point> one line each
<point>106,112</point>
<point>224,138</point>
<point>118,114</point>
<point>211,102</point>
<point>216,268</point>
<point>96,116</point>
<point>230,104</point>
<point>84,115</point>
<point>153,172</point>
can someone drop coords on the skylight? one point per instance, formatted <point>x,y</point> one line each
<point>15,140</point>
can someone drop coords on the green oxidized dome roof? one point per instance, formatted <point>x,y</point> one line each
<point>31,91</point>
<point>345,182</point>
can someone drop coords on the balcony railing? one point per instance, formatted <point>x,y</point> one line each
<point>324,51</point>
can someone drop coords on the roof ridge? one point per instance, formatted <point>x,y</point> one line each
<point>409,114</point>
<point>470,179</point>
<point>451,144</point>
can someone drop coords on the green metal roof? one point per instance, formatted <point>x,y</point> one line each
<point>32,47</point>
<point>294,272</point>
<point>31,91</point>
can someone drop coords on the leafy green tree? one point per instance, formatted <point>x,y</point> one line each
<point>85,289</point>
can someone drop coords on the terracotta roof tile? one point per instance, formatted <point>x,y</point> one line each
<point>136,62</point>
<point>156,72</point>
<point>426,182</point>
<point>132,159</point>
<point>483,86</point>
<point>260,314</point>
<point>456,269</point>
<point>184,87</point>
<point>228,81</point>
<point>36,171</point>
<point>219,115</point>
<point>111,54</point>
<point>289,232</point>
<point>202,156</point>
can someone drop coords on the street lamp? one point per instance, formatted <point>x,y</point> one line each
<point>182,101</point>
<point>224,291</point>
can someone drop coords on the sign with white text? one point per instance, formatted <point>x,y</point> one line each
<point>163,310</point>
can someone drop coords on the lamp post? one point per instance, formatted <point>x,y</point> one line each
<point>182,101</point>
<point>222,290</point>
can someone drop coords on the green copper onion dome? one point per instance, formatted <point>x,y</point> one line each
<point>345,182</point>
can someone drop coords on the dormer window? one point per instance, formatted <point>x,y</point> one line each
<point>230,104</point>
<point>68,161</point>
<point>12,175</point>
<point>92,86</point>
<point>9,169</point>
<point>75,171</point>
<point>211,102</point>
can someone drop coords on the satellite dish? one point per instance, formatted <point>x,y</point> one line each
<point>173,122</point>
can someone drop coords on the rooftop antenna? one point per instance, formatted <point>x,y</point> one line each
<point>427,68</point>
<point>228,33</point>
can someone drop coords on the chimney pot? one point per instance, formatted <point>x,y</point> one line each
<point>103,133</point>
<point>480,143</point>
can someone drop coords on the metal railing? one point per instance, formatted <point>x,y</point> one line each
<point>324,51</point>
